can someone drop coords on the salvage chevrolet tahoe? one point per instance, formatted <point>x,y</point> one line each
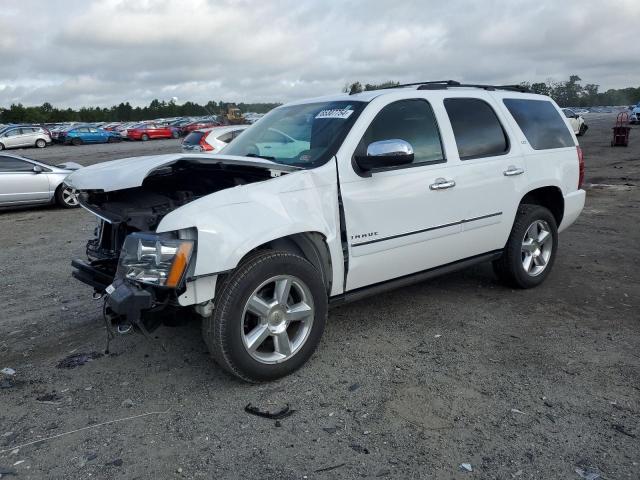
<point>325,201</point>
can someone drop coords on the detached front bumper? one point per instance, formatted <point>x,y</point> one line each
<point>95,274</point>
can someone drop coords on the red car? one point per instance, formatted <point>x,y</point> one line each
<point>150,131</point>
<point>190,127</point>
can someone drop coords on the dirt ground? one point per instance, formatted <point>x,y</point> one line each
<point>410,384</point>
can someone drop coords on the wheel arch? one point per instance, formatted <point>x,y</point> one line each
<point>310,245</point>
<point>549,197</point>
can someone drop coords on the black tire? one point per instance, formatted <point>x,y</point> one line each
<point>1,146</point>
<point>111,139</point>
<point>76,141</point>
<point>40,143</point>
<point>509,267</point>
<point>144,137</point>
<point>62,199</point>
<point>175,134</point>
<point>223,331</point>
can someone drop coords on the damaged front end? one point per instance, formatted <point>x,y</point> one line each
<point>141,272</point>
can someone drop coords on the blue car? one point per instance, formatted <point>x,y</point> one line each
<point>87,134</point>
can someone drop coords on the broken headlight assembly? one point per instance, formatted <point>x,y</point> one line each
<point>154,259</point>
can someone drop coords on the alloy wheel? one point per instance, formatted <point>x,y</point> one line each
<point>537,246</point>
<point>70,196</point>
<point>277,319</point>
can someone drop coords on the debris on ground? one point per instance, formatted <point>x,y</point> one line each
<point>48,397</point>
<point>7,383</point>
<point>354,387</point>
<point>285,412</point>
<point>515,410</point>
<point>128,403</point>
<point>7,471</point>
<point>328,469</point>
<point>359,448</point>
<point>588,473</point>
<point>623,430</point>
<point>466,467</point>
<point>116,463</point>
<point>330,429</point>
<point>78,359</point>
<point>8,371</point>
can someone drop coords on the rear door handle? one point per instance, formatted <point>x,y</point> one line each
<point>442,183</point>
<point>512,171</point>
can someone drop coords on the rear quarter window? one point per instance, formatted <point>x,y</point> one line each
<point>540,122</point>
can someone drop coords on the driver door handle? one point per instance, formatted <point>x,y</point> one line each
<point>512,171</point>
<point>442,184</point>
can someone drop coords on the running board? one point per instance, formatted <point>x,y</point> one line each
<point>364,292</point>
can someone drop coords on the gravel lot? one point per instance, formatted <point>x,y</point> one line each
<point>410,384</point>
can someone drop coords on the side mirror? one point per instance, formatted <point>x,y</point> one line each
<point>37,169</point>
<point>386,153</point>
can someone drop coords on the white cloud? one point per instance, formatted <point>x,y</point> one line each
<point>103,52</point>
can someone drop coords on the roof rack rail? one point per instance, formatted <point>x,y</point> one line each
<point>445,84</point>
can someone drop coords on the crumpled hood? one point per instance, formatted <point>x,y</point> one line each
<point>131,172</point>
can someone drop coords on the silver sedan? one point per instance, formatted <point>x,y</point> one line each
<point>24,181</point>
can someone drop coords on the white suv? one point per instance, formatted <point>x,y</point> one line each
<point>330,200</point>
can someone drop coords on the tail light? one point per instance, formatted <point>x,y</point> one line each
<point>204,145</point>
<point>580,167</point>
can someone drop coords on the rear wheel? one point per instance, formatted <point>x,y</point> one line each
<point>1,146</point>
<point>583,130</point>
<point>530,251</point>
<point>144,137</point>
<point>40,143</point>
<point>269,317</point>
<point>67,197</point>
<point>76,141</point>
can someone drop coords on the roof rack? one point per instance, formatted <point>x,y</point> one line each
<point>445,84</point>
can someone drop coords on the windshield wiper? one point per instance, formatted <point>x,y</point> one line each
<point>254,155</point>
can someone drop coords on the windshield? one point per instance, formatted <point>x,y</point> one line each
<point>306,135</point>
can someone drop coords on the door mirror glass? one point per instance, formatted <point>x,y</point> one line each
<point>37,169</point>
<point>386,153</point>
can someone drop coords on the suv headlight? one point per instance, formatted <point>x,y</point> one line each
<point>154,260</point>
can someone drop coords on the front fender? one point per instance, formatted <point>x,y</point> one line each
<point>232,222</point>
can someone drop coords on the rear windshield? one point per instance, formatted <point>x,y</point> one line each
<point>193,138</point>
<point>541,123</point>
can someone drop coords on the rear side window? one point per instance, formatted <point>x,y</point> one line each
<point>193,138</point>
<point>476,127</point>
<point>226,137</point>
<point>540,122</point>
<point>412,121</point>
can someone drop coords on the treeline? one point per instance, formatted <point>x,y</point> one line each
<point>47,113</point>
<point>569,93</point>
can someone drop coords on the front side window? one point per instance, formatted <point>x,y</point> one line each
<point>476,128</point>
<point>540,122</point>
<point>305,135</point>
<point>9,164</point>
<point>412,121</point>
<point>12,133</point>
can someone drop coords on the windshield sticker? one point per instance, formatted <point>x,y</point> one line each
<point>342,113</point>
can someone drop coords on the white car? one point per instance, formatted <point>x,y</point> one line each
<point>24,181</point>
<point>211,139</point>
<point>576,121</point>
<point>354,195</point>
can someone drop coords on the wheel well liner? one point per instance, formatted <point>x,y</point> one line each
<point>548,197</point>
<point>310,245</point>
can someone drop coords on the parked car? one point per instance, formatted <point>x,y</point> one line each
<point>190,127</point>
<point>383,188</point>
<point>211,139</point>
<point>25,181</point>
<point>149,131</point>
<point>634,116</point>
<point>24,136</point>
<point>576,121</point>
<point>86,134</point>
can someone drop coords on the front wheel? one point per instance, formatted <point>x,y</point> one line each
<point>67,197</point>
<point>144,137</point>
<point>530,251</point>
<point>269,317</point>
<point>583,130</point>
<point>76,141</point>
<point>40,143</point>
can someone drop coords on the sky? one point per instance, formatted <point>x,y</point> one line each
<point>75,53</point>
